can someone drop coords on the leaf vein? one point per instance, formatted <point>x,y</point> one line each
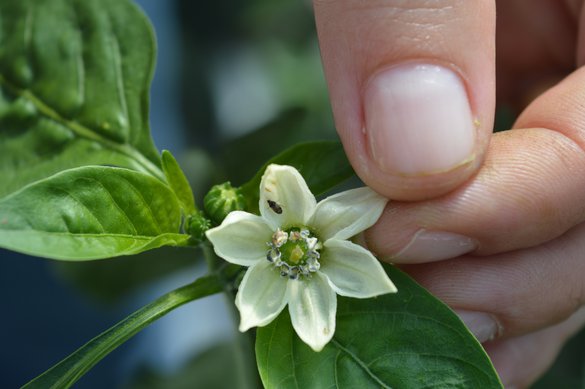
<point>82,131</point>
<point>122,211</point>
<point>360,363</point>
<point>119,72</point>
<point>146,204</point>
<point>78,201</point>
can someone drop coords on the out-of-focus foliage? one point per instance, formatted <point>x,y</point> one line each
<point>214,368</point>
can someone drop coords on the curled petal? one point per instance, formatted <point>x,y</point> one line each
<point>312,307</point>
<point>241,238</point>
<point>261,297</point>
<point>285,198</point>
<point>348,213</point>
<point>353,271</point>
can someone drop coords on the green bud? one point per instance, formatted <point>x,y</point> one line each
<point>221,200</point>
<point>196,227</point>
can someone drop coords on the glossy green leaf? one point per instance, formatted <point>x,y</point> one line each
<point>91,212</point>
<point>178,182</point>
<point>404,340</point>
<point>323,165</point>
<point>69,370</point>
<point>74,88</point>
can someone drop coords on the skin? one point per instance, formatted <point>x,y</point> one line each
<point>522,199</point>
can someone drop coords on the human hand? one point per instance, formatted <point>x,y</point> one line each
<point>412,86</point>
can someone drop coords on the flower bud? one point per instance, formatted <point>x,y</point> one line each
<point>221,200</point>
<point>196,227</point>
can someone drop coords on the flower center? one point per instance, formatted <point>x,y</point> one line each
<point>294,252</point>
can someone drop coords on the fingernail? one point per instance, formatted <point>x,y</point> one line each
<point>482,325</point>
<point>418,120</point>
<point>429,246</point>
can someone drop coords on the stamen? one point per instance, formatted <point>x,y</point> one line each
<point>284,269</point>
<point>279,238</point>
<point>294,253</point>
<point>311,242</point>
<point>313,264</point>
<point>295,236</point>
<point>293,273</point>
<point>273,255</point>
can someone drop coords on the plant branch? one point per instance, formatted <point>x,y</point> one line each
<point>69,370</point>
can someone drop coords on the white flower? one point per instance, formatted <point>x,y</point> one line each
<point>298,254</point>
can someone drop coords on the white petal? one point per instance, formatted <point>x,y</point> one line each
<point>312,305</point>
<point>348,213</point>
<point>353,271</point>
<point>261,297</point>
<point>285,198</point>
<point>241,238</point>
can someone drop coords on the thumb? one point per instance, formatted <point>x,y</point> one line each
<point>412,89</point>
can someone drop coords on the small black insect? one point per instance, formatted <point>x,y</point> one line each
<point>275,207</point>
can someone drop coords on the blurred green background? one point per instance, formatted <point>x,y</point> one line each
<point>236,82</point>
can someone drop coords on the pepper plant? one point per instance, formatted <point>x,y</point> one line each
<point>82,180</point>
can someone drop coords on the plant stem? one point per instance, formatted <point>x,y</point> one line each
<point>69,370</point>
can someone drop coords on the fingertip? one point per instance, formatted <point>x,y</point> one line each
<point>418,120</point>
<point>412,97</point>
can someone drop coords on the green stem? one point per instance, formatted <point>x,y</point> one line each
<point>69,370</point>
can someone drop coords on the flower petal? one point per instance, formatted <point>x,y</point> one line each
<point>312,305</point>
<point>261,297</point>
<point>348,213</point>
<point>241,238</point>
<point>353,271</point>
<point>285,198</point>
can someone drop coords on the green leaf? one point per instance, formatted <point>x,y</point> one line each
<point>323,165</point>
<point>69,370</point>
<point>404,340</point>
<point>91,212</point>
<point>74,88</point>
<point>178,182</point>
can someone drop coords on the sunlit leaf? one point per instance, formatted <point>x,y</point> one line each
<point>91,212</point>
<point>178,182</point>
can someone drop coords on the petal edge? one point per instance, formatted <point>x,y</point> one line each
<point>285,198</point>
<point>353,271</point>
<point>348,213</point>
<point>312,307</point>
<point>261,297</point>
<point>241,238</point>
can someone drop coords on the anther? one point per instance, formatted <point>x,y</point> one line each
<point>273,255</point>
<point>284,269</point>
<point>279,238</point>
<point>313,264</point>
